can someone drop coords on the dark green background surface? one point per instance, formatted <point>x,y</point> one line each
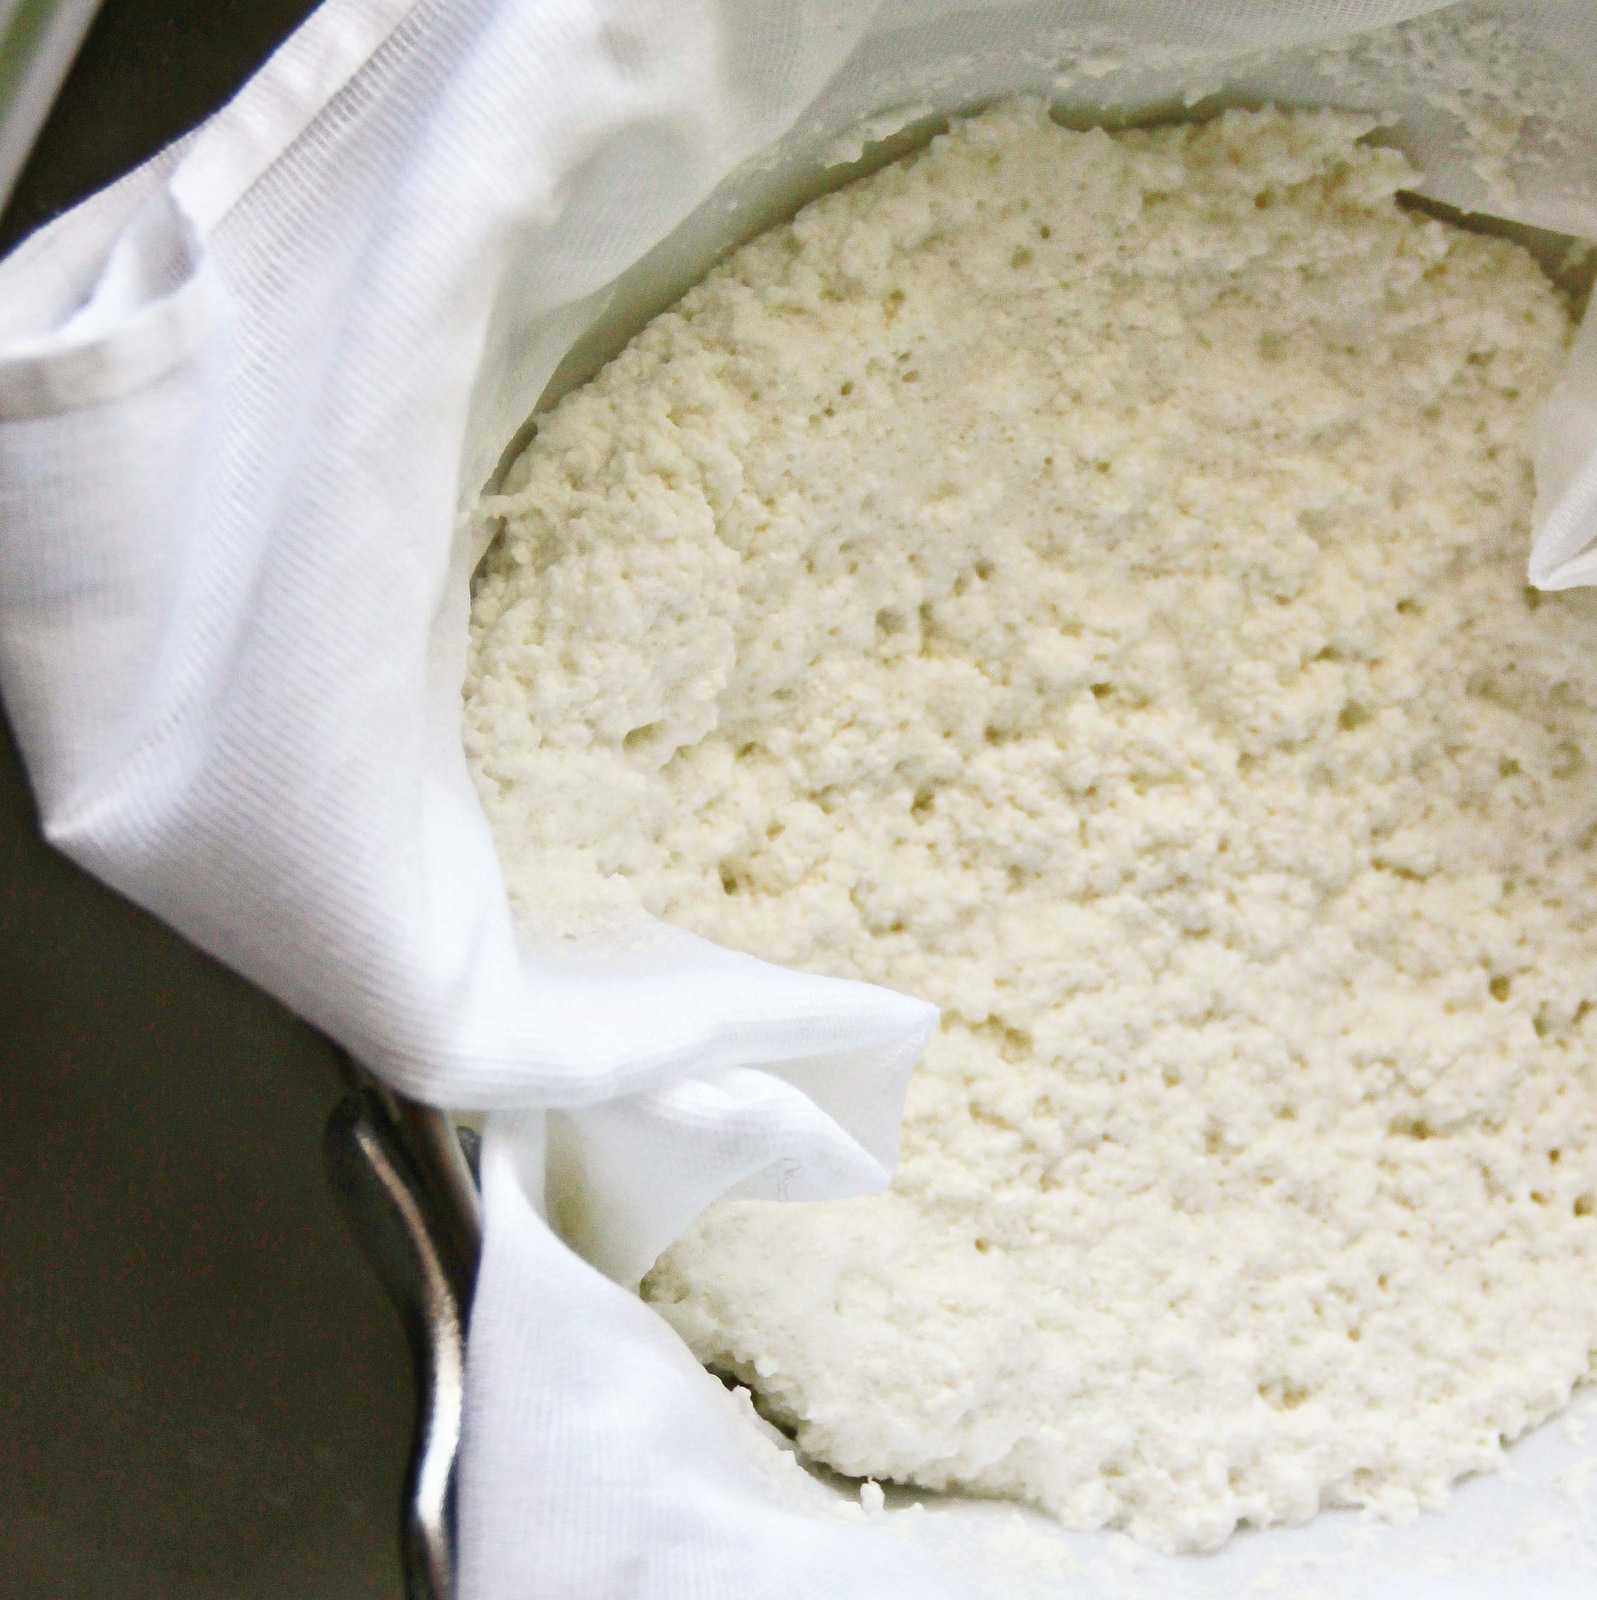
<point>203,1391</point>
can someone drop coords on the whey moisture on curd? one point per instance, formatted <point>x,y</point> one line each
<point>1078,579</point>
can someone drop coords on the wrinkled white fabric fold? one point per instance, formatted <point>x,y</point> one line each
<point>1566,474</point>
<point>601,1460</point>
<point>627,1176</point>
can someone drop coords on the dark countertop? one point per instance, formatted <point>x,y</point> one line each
<point>203,1391</point>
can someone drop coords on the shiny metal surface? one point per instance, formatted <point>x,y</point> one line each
<point>399,1170</point>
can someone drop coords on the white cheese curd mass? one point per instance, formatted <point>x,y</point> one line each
<point>1078,579</point>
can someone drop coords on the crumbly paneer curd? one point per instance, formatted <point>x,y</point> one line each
<point>1078,579</point>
